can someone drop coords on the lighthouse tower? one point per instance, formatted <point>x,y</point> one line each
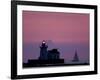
<point>43,51</point>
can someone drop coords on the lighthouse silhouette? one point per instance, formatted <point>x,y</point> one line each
<point>46,57</point>
<point>43,51</point>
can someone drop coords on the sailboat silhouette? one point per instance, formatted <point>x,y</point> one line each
<point>75,58</point>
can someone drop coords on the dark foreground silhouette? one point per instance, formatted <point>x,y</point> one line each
<point>44,63</point>
<point>51,58</point>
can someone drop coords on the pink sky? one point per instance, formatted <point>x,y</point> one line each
<point>58,27</point>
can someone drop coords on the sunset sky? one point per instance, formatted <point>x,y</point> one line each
<point>60,30</point>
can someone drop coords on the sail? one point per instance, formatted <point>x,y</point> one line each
<point>75,58</point>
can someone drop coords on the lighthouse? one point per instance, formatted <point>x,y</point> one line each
<point>43,51</point>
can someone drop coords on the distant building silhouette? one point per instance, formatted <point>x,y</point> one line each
<point>75,58</point>
<point>48,54</point>
<point>46,57</point>
<point>53,54</point>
